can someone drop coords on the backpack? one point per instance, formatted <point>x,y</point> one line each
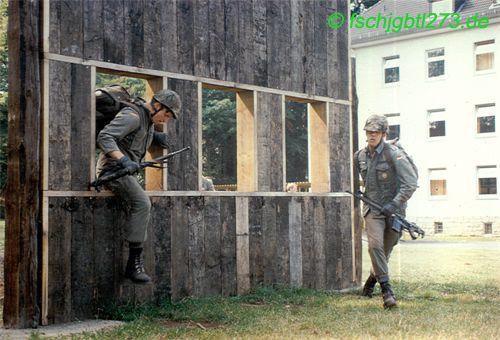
<point>109,101</point>
<point>397,144</point>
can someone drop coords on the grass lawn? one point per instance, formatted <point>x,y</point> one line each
<point>445,289</point>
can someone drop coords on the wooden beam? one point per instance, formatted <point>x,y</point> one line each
<point>246,141</point>
<point>154,177</point>
<point>318,148</point>
<point>22,193</point>
<point>242,245</point>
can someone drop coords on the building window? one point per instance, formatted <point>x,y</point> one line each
<point>487,180</point>
<point>438,227</point>
<point>437,179</point>
<point>485,56</point>
<point>391,69</point>
<point>485,118</point>
<point>394,125</point>
<point>488,227</point>
<point>435,63</point>
<point>437,123</point>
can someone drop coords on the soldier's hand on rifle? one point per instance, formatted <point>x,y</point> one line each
<point>390,208</point>
<point>127,163</point>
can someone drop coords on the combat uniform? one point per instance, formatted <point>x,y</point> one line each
<point>132,133</point>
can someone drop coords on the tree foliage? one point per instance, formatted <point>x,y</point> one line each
<point>135,86</point>
<point>296,142</point>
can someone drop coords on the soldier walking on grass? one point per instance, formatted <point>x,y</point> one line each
<point>389,180</point>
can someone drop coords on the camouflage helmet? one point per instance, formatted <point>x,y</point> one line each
<point>376,123</point>
<point>169,99</point>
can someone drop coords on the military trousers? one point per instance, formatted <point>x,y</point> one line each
<point>381,240</point>
<point>138,204</point>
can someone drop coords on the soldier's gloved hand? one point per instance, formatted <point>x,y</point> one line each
<point>128,164</point>
<point>390,208</point>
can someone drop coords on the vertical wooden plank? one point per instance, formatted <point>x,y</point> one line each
<point>320,50</point>
<point>318,148</point>
<point>134,32</point>
<point>183,170</point>
<point>114,31</point>
<point>153,21</point>
<point>270,142</point>
<point>185,35</point>
<point>282,242</point>
<point>180,254</point>
<point>319,243</point>
<point>55,27</point>
<point>217,43</point>
<point>201,39</point>
<point>196,244</point>
<point>278,40</point>
<point>93,30</point>
<point>169,43</point>
<point>340,151</point>
<point>60,126</point>
<point>232,50</point>
<point>295,236</point>
<point>81,130</point>
<point>213,231</point>
<point>154,177</point>
<point>297,52</point>
<point>332,241</point>
<point>260,42</point>
<point>246,141</point>
<point>71,37</point>
<point>228,246</point>
<point>161,217</point>
<point>59,308</point>
<point>333,67</point>
<point>82,259</point>
<point>308,264</point>
<point>343,88</point>
<point>269,240</point>
<point>22,192</point>
<point>255,241</point>
<point>347,240</point>
<point>242,243</point>
<point>108,249</point>
<point>245,42</point>
<point>309,50</point>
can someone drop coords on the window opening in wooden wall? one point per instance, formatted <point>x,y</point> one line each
<point>150,179</point>
<point>219,138</point>
<point>296,140</point>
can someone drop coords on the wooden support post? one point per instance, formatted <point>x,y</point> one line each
<point>246,141</point>
<point>318,148</point>
<point>155,177</point>
<point>242,244</point>
<point>23,194</point>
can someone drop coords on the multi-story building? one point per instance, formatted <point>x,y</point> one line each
<point>440,89</point>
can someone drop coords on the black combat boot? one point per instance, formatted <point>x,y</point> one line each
<point>135,267</point>
<point>369,286</point>
<point>388,295</point>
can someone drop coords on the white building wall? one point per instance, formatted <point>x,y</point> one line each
<point>462,211</point>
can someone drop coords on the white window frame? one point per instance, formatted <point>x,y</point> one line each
<point>485,110</point>
<point>394,119</point>
<point>438,174</point>
<point>436,113</point>
<point>484,47</point>
<point>391,62</point>
<point>486,171</point>
<point>433,59</point>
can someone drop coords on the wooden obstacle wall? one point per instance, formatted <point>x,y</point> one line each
<point>199,243</point>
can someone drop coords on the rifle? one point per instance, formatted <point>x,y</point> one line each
<point>412,228</point>
<point>112,175</point>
